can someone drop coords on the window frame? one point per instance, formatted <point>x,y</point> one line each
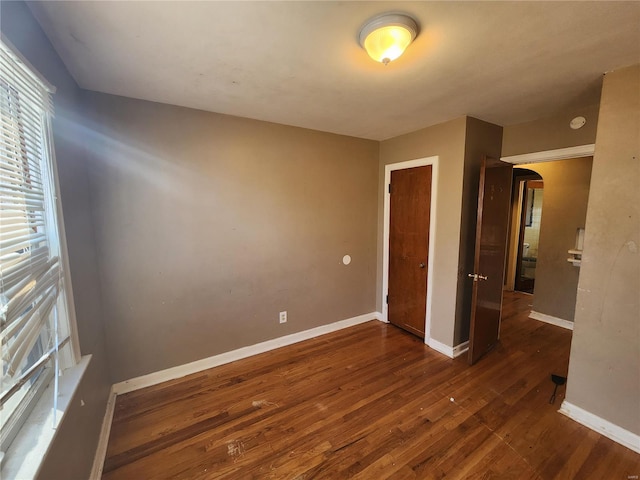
<point>67,358</point>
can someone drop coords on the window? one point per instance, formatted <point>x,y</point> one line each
<point>34,325</point>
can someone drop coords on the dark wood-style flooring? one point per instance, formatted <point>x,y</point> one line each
<point>368,402</point>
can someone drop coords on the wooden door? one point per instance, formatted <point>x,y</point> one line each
<point>410,206</point>
<point>494,199</point>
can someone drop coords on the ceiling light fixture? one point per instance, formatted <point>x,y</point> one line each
<point>386,36</point>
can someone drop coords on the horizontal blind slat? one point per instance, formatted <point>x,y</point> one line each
<point>9,190</point>
<point>19,124</point>
<point>15,97</point>
<point>41,276</point>
<point>21,270</point>
<point>15,121</point>
<point>30,89</point>
<point>15,234</point>
<point>26,290</point>
<point>27,203</point>
<point>11,178</point>
<point>10,218</point>
<point>9,228</point>
<point>32,371</point>
<point>18,88</point>
<point>28,207</point>
<point>23,157</point>
<point>12,196</point>
<point>8,224</point>
<point>21,129</point>
<point>19,64</point>
<point>18,323</point>
<point>25,262</point>
<point>15,355</point>
<point>14,169</point>
<point>19,155</point>
<point>14,259</point>
<point>22,242</point>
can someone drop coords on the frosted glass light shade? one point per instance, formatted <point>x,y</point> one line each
<point>386,37</point>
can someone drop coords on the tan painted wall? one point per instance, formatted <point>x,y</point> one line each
<point>209,225</point>
<point>459,144</point>
<point>71,454</point>
<point>550,133</point>
<point>604,368</point>
<point>447,141</point>
<point>564,209</point>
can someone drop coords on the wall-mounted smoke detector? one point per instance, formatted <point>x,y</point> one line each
<point>577,123</point>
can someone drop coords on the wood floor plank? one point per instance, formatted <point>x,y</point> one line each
<point>368,402</point>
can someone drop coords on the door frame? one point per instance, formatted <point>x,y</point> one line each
<point>419,162</point>
<point>552,155</point>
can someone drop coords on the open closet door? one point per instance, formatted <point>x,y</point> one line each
<point>494,197</point>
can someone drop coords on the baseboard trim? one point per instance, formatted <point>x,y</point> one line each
<point>451,352</point>
<point>378,316</point>
<point>602,426</point>
<point>228,357</point>
<point>558,322</point>
<point>460,349</point>
<point>103,441</point>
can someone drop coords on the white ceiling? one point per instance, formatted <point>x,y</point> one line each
<point>299,63</point>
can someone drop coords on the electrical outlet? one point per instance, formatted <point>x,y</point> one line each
<point>283,317</point>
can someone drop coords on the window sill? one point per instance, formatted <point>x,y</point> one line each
<point>25,455</point>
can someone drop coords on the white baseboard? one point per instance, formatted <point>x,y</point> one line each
<point>451,352</point>
<point>378,316</point>
<point>103,442</point>
<point>602,426</point>
<point>460,349</point>
<point>558,322</point>
<point>227,357</point>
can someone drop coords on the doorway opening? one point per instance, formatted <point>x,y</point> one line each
<point>529,188</point>
<point>554,274</point>
<point>545,236</point>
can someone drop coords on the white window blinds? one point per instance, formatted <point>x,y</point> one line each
<point>31,287</point>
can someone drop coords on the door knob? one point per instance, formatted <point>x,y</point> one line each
<point>475,276</point>
<point>422,265</point>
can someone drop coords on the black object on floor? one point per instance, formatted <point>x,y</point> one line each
<point>558,380</point>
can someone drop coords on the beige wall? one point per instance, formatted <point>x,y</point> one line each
<point>550,133</point>
<point>445,140</point>
<point>459,144</point>
<point>72,451</point>
<point>604,368</point>
<point>564,209</point>
<point>209,225</point>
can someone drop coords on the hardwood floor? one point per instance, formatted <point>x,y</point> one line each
<point>368,402</point>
